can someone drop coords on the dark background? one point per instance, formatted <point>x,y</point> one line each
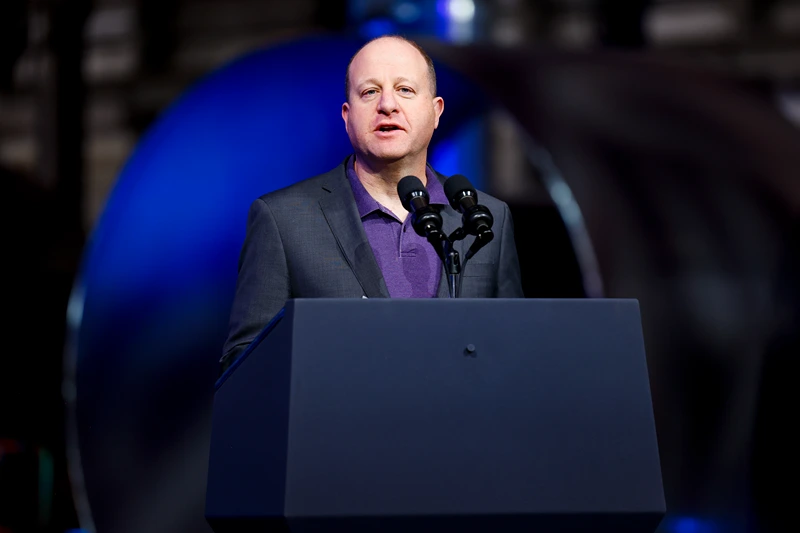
<point>674,123</point>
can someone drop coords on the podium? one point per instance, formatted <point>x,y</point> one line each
<point>417,416</point>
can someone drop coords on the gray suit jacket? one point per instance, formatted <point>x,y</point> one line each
<point>307,241</point>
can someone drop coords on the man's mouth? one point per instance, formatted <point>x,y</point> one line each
<point>389,128</point>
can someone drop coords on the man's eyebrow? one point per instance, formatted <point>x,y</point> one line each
<point>370,81</point>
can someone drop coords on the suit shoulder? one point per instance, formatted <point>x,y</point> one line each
<point>307,189</point>
<point>490,201</point>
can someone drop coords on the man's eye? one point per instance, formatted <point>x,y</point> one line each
<point>405,90</point>
<point>370,92</point>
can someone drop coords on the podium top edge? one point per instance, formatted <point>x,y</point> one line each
<point>468,299</point>
<point>483,300</point>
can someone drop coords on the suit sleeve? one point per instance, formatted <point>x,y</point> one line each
<point>509,280</point>
<point>262,284</point>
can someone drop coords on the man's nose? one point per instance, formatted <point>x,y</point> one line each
<point>387,103</point>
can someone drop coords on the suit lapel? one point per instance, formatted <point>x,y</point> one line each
<point>341,213</point>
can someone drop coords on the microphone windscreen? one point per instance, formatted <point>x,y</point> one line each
<point>406,187</point>
<point>454,187</point>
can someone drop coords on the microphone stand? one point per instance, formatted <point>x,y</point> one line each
<point>452,267</point>
<point>452,262</point>
<point>445,249</point>
<point>447,254</point>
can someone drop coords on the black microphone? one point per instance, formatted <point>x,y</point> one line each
<point>476,218</point>
<point>425,219</point>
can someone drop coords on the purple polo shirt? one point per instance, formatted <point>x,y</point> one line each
<point>408,262</point>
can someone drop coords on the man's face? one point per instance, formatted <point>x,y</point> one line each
<point>391,112</point>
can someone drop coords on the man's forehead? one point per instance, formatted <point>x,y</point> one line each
<point>389,52</point>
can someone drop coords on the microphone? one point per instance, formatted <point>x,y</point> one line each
<point>425,219</point>
<point>476,218</point>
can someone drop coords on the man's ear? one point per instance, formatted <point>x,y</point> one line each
<point>345,113</point>
<point>438,109</point>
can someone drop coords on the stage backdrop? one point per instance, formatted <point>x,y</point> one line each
<point>674,187</point>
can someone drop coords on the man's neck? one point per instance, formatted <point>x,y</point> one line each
<point>381,183</point>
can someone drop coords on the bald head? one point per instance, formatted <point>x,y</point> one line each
<point>417,47</point>
<point>391,111</point>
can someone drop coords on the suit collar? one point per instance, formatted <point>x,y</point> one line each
<point>338,207</point>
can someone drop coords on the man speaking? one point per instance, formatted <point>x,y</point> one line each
<point>383,223</point>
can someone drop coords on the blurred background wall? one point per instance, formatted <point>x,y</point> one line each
<point>649,149</point>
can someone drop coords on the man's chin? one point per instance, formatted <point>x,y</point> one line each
<point>388,157</point>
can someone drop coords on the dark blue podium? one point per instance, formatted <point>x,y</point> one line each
<point>439,415</point>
